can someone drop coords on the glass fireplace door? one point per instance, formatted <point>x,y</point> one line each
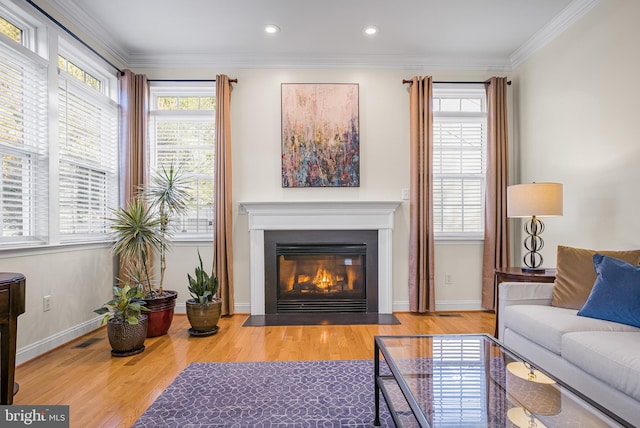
<point>321,278</point>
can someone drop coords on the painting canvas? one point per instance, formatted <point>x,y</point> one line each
<point>320,135</point>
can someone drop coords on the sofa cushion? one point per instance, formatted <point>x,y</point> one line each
<point>616,293</point>
<point>575,274</point>
<point>545,325</point>
<point>612,357</point>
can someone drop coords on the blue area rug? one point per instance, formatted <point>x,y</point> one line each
<point>269,394</point>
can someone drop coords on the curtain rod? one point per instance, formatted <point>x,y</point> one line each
<point>69,32</point>
<point>189,80</point>
<point>488,82</point>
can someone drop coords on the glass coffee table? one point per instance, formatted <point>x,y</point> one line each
<point>473,381</point>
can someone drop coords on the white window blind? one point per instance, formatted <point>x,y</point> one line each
<point>182,133</point>
<point>459,146</point>
<point>23,144</point>
<point>459,383</point>
<point>88,146</point>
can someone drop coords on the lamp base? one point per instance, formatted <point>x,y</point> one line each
<point>533,270</point>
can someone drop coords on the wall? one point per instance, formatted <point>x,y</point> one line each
<point>384,124</point>
<point>576,103</point>
<point>78,281</point>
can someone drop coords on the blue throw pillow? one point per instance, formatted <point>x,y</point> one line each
<point>616,292</point>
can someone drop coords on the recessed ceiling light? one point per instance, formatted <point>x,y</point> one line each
<point>370,30</point>
<point>271,29</point>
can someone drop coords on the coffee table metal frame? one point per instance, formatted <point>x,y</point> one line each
<point>418,413</point>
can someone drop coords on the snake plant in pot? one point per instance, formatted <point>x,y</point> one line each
<point>126,323</point>
<point>204,307</point>
<point>143,228</point>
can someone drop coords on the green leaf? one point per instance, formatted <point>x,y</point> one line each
<point>203,286</point>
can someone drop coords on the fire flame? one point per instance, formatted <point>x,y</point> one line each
<point>323,278</point>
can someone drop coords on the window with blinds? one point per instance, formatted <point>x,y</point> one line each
<point>88,144</point>
<point>459,382</point>
<point>23,138</point>
<point>182,133</point>
<point>58,135</point>
<point>459,146</point>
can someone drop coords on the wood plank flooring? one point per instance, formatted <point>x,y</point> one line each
<point>103,391</point>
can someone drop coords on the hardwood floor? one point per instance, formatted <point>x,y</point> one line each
<point>103,391</point>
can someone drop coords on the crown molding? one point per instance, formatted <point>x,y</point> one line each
<point>89,26</point>
<point>565,19</point>
<point>253,61</point>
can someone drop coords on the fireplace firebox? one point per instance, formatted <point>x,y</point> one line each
<point>321,271</point>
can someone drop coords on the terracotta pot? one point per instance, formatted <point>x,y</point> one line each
<point>160,312</point>
<point>204,316</point>
<point>127,339</point>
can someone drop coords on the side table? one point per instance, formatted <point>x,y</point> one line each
<point>515,274</point>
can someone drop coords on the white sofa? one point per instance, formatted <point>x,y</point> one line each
<point>599,358</point>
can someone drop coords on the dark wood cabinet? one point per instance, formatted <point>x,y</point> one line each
<point>12,304</point>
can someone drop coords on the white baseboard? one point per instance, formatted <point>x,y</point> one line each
<point>242,308</point>
<point>402,306</point>
<point>444,305</point>
<point>180,308</point>
<point>459,305</point>
<point>47,344</point>
<point>238,308</point>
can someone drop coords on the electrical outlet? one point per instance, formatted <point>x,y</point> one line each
<point>448,278</point>
<point>405,194</point>
<point>46,303</point>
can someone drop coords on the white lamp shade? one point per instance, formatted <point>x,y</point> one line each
<point>534,199</point>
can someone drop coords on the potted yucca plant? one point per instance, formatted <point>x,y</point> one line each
<point>126,323</point>
<point>144,228</point>
<point>204,307</point>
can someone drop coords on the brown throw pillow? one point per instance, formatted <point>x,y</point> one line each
<point>575,274</point>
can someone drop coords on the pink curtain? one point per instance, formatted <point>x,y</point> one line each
<point>421,284</point>
<point>134,114</point>
<point>223,226</point>
<point>496,231</point>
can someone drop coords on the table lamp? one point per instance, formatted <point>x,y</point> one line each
<point>534,200</point>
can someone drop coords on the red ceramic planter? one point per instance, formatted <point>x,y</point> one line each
<point>160,313</point>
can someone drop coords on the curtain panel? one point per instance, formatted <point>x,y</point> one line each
<point>421,260</point>
<point>223,218</point>
<point>496,233</point>
<point>134,115</point>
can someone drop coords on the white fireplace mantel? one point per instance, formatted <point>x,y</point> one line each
<point>320,215</point>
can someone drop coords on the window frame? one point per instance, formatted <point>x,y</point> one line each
<point>32,152</point>
<point>42,40</point>
<point>182,89</point>
<point>24,22</point>
<point>106,165</point>
<point>451,91</point>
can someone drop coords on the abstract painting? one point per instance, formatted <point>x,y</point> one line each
<point>320,135</point>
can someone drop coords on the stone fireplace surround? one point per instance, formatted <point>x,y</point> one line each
<point>320,215</point>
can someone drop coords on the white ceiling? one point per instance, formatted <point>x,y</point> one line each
<point>465,34</point>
